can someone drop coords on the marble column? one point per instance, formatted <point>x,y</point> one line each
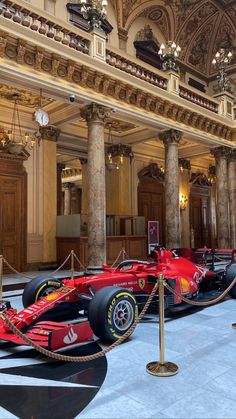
<point>95,116</point>
<point>171,140</point>
<point>222,196</point>
<point>232,197</point>
<point>67,198</point>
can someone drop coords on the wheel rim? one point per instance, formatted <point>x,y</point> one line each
<point>123,315</point>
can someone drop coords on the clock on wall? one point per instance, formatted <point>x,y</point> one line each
<point>41,117</point>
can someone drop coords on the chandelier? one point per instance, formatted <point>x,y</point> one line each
<point>221,60</point>
<point>14,141</point>
<point>118,151</point>
<point>168,54</point>
<point>94,11</point>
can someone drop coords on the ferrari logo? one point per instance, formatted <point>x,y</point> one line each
<point>141,283</point>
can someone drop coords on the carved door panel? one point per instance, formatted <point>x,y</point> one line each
<point>10,220</point>
<point>199,218</point>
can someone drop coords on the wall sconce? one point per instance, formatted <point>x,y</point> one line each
<point>183,200</point>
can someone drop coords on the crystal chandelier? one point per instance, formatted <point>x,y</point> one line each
<point>118,151</point>
<point>94,11</point>
<point>168,54</point>
<point>14,141</point>
<point>221,60</point>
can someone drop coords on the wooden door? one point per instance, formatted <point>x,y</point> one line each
<point>13,214</point>
<point>151,203</point>
<point>200,216</point>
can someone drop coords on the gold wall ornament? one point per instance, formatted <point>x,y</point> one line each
<point>183,201</point>
<point>50,133</point>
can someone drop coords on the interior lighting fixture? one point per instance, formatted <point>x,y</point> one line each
<point>118,151</point>
<point>183,200</point>
<point>14,140</point>
<point>168,54</point>
<point>94,11</point>
<point>220,61</point>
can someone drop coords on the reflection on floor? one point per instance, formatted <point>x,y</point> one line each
<point>39,387</point>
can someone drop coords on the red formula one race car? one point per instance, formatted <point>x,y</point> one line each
<point>105,304</point>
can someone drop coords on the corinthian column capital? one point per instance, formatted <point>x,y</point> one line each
<point>95,113</point>
<point>171,136</point>
<point>221,151</point>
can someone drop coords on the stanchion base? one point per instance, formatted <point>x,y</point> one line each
<point>234,325</point>
<point>162,370</point>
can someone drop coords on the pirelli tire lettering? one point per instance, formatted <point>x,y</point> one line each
<point>112,312</point>
<point>39,287</point>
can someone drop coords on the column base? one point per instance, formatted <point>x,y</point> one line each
<point>162,370</point>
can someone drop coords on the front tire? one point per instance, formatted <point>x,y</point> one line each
<point>38,288</point>
<point>112,312</point>
<point>229,277</point>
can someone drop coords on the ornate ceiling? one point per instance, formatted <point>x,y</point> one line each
<point>200,27</point>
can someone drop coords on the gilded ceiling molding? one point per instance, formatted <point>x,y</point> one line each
<point>25,98</point>
<point>39,59</point>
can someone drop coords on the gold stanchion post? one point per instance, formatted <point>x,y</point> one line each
<point>72,267</point>
<point>161,368</point>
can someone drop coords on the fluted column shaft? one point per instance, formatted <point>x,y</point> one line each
<point>95,116</point>
<point>222,196</point>
<point>171,140</point>
<point>232,199</point>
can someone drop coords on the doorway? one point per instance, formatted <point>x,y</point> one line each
<point>13,201</point>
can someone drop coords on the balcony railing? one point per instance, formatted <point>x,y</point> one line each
<point>135,70</point>
<point>198,99</point>
<point>46,27</point>
<point>59,31</point>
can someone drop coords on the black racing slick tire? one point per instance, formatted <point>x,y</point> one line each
<point>39,287</point>
<point>112,311</point>
<point>229,277</point>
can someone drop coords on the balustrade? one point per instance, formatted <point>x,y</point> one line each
<point>47,27</point>
<point>198,99</point>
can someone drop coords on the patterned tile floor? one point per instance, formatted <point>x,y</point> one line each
<point>200,341</point>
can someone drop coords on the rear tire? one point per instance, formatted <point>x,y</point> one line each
<point>39,287</point>
<point>229,277</point>
<point>112,312</point>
